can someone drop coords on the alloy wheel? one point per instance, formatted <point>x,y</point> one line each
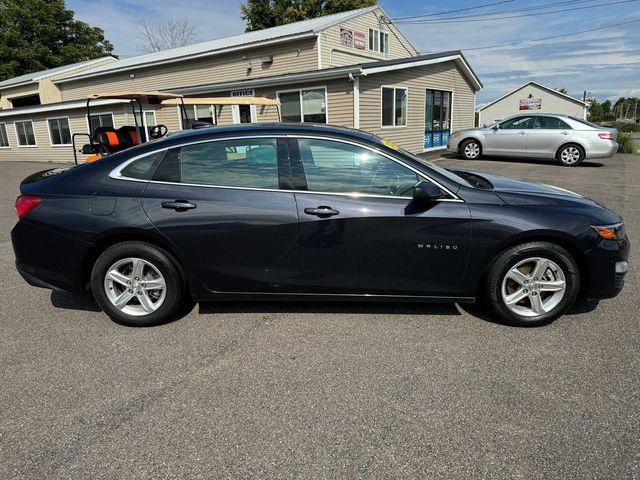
<point>533,287</point>
<point>135,286</point>
<point>570,155</point>
<point>471,150</point>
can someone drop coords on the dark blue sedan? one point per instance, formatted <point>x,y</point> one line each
<point>309,212</point>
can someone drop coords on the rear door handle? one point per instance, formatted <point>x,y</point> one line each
<point>564,133</point>
<point>321,211</point>
<point>178,205</point>
<point>522,133</point>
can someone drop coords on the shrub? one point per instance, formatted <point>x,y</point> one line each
<point>627,145</point>
<point>626,127</point>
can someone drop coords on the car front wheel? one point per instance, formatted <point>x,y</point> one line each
<point>470,149</point>
<point>532,284</point>
<point>137,284</point>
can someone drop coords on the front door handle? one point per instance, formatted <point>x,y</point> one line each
<point>522,133</point>
<point>321,211</point>
<point>564,133</point>
<point>178,205</point>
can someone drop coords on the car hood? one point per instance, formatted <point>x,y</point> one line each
<point>519,192</point>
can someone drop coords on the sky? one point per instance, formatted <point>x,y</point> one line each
<point>605,63</point>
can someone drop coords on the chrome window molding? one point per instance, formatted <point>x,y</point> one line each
<point>117,175</point>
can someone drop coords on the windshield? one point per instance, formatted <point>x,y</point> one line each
<point>442,171</point>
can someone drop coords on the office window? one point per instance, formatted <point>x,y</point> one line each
<point>304,105</point>
<point>101,120</point>
<point>378,41</point>
<point>201,113</point>
<point>4,138</point>
<point>59,131</point>
<point>394,107</point>
<point>25,134</point>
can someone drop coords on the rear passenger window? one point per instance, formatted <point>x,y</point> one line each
<point>549,123</point>
<point>248,163</point>
<point>331,166</point>
<point>143,168</point>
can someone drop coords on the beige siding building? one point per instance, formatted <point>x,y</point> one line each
<point>531,96</point>
<point>354,69</point>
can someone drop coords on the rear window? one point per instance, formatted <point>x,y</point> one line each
<point>584,122</point>
<point>143,168</point>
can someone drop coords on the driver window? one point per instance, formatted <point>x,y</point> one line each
<point>516,123</point>
<point>338,167</point>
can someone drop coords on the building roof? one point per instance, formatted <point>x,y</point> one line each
<point>283,32</point>
<point>54,107</point>
<point>35,76</point>
<point>368,68</point>
<point>539,85</point>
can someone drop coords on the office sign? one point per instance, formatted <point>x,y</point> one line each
<point>249,92</point>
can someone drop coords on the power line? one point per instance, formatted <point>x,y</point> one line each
<point>454,11</point>
<point>512,44</point>
<point>431,22</point>
<point>418,19</point>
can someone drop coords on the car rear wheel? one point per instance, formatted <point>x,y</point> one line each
<point>470,149</point>
<point>137,284</point>
<point>532,284</point>
<point>570,155</point>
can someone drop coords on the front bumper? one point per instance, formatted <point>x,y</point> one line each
<point>453,144</point>
<point>604,280</point>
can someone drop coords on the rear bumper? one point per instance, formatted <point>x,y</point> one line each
<point>48,259</point>
<point>605,282</point>
<point>602,151</point>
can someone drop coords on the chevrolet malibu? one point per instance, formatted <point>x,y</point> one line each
<point>309,212</point>
<point>568,139</point>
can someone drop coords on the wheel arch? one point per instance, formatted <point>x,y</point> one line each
<point>120,236</point>
<point>565,241</point>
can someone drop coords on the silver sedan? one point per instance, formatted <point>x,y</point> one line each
<point>568,139</point>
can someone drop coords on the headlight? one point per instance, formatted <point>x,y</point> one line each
<point>610,232</point>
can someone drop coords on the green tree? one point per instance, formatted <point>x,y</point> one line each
<point>41,34</point>
<point>606,107</point>
<point>562,90</point>
<point>260,14</point>
<point>595,112</point>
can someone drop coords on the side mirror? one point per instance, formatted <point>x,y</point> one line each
<point>425,192</point>
<point>496,127</point>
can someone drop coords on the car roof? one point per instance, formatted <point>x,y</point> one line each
<point>272,128</point>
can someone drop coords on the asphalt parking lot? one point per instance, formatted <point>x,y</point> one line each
<point>303,390</point>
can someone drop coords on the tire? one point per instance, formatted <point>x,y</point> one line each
<point>471,149</point>
<point>144,266</point>
<point>535,298</point>
<point>570,155</point>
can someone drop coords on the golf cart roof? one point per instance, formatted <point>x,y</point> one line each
<point>222,101</point>
<point>134,95</point>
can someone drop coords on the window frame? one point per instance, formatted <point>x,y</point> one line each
<point>406,120</point>
<point>116,172</point>
<point>51,138</point>
<point>6,134</point>
<point>376,35</point>
<point>528,127</point>
<point>113,120</point>
<point>35,139</point>
<point>300,90</point>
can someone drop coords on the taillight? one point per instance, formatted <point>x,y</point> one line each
<point>26,203</point>
<point>606,135</point>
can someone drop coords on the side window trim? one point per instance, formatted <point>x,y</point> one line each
<point>420,175</point>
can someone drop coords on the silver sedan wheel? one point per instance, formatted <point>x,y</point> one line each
<point>135,286</point>
<point>533,287</point>
<point>570,155</point>
<point>471,150</point>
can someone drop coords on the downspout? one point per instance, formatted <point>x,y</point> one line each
<point>356,98</point>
